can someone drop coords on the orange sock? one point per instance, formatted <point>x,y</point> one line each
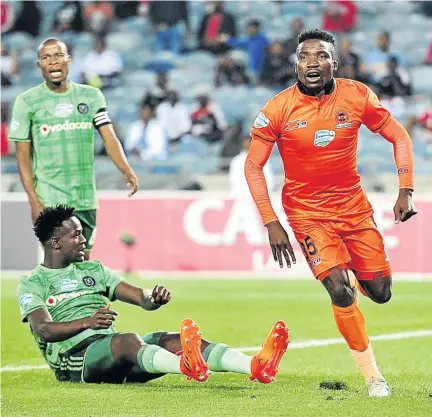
<point>352,325</point>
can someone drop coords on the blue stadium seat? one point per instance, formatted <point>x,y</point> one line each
<point>17,40</point>
<point>422,79</point>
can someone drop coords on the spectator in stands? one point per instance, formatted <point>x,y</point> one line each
<point>297,26</point>
<point>424,123</point>
<point>208,121</point>
<point>102,67</point>
<point>256,44</point>
<point>376,60</point>
<point>158,94</point>
<point>9,66</point>
<point>29,18</point>
<point>146,137</point>
<point>4,128</point>
<point>238,184</point>
<point>68,18</point>
<point>124,9</point>
<point>7,16</point>
<point>428,59</point>
<point>229,72</point>
<point>214,24</point>
<point>166,17</point>
<point>349,63</point>
<point>98,16</point>
<point>339,16</point>
<point>174,117</point>
<point>277,70</point>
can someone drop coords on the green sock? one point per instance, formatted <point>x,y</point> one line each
<point>156,360</point>
<point>221,358</point>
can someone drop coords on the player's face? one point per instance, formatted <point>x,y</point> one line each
<point>315,64</point>
<point>72,243</point>
<point>54,62</point>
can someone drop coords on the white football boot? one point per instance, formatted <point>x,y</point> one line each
<point>378,388</point>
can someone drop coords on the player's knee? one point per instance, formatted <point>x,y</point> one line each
<point>382,296</point>
<point>338,287</point>
<point>379,290</point>
<point>124,346</point>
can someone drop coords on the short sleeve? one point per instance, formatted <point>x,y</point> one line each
<point>374,115</point>
<point>101,117</point>
<point>20,125</point>
<point>112,279</point>
<point>266,125</point>
<point>30,297</point>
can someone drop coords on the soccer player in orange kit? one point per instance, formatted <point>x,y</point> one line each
<point>315,124</point>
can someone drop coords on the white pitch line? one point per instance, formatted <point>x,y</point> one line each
<point>292,345</point>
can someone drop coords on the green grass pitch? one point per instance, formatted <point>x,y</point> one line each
<point>240,313</point>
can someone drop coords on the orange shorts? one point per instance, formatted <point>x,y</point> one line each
<point>327,244</point>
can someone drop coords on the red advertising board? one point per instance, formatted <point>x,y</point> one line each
<point>206,232</point>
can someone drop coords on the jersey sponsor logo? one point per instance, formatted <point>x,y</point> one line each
<point>296,124</point>
<point>315,262</point>
<point>25,300</point>
<point>14,125</point>
<point>52,300</point>
<point>83,108</point>
<point>261,121</point>
<point>341,118</point>
<point>69,284</point>
<point>324,137</point>
<point>47,129</point>
<point>403,170</point>
<point>63,110</point>
<point>89,281</point>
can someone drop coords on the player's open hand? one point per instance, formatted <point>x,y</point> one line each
<point>404,208</point>
<point>280,244</point>
<point>102,319</point>
<point>132,182</point>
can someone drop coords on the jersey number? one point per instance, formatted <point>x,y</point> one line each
<point>308,248</point>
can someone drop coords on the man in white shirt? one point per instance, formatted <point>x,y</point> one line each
<point>174,117</point>
<point>146,137</point>
<point>238,185</point>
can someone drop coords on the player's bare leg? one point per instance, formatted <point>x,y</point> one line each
<point>379,290</point>
<point>352,326</point>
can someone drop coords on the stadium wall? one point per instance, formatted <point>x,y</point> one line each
<point>201,233</point>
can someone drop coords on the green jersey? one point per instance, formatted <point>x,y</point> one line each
<point>70,293</point>
<point>60,127</point>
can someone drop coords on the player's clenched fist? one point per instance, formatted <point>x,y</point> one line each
<point>102,319</point>
<point>280,244</point>
<point>160,295</point>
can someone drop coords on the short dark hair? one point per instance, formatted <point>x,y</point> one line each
<point>319,34</point>
<point>50,40</point>
<point>254,23</point>
<point>50,220</point>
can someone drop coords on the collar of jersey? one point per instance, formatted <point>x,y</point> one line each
<point>56,270</point>
<point>328,88</point>
<point>69,90</point>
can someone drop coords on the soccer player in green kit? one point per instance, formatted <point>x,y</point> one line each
<point>53,125</point>
<point>65,301</point>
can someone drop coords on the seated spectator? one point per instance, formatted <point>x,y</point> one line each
<point>339,16</point>
<point>290,45</point>
<point>256,44</point>
<point>9,66</point>
<point>375,62</point>
<point>208,121</point>
<point>395,81</point>
<point>166,17</point>
<point>102,67</point>
<point>68,18</point>
<point>174,117</point>
<point>214,24</point>
<point>98,16</point>
<point>349,63</point>
<point>4,129</point>
<point>277,70</point>
<point>158,93</point>
<point>428,59</point>
<point>229,72</point>
<point>29,18</point>
<point>237,180</point>
<point>146,137</point>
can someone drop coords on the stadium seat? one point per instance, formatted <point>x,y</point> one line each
<point>17,40</point>
<point>422,79</point>
<point>122,42</point>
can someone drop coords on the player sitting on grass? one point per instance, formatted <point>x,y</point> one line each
<point>65,301</point>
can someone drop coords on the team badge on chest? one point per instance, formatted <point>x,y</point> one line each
<point>342,120</point>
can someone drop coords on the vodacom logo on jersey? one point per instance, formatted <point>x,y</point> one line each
<point>47,129</point>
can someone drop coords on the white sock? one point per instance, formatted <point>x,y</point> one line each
<point>156,360</point>
<point>230,360</point>
<point>366,362</point>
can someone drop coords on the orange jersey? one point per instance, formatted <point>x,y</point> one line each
<point>317,140</point>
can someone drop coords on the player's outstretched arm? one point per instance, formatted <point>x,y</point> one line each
<point>41,322</point>
<point>115,152</point>
<point>147,299</point>
<point>397,135</point>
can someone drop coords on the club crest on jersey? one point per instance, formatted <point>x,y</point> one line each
<point>83,108</point>
<point>89,281</point>
<point>63,110</point>
<point>261,121</point>
<point>342,120</point>
<point>324,137</point>
<point>296,124</point>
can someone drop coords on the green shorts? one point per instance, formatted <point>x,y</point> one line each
<point>92,361</point>
<point>88,223</point>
